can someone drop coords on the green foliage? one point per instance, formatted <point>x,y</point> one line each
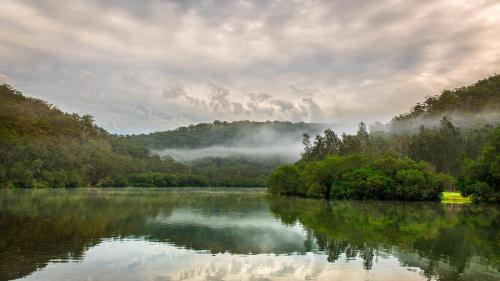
<point>477,98</point>
<point>285,180</point>
<point>40,147</point>
<point>234,172</point>
<point>151,179</point>
<point>480,178</point>
<point>363,183</point>
<point>444,146</point>
<point>221,133</point>
<point>415,135</point>
<point>358,177</point>
<point>355,166</point>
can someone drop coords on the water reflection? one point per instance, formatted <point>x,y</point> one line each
<point>234,234</point>
<point>448,242</point>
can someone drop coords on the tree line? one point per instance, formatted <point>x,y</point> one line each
<point>41,146</point>
<point>223,133</point>
<point>435,157</point>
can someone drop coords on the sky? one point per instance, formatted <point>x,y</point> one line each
<point>151,65</point>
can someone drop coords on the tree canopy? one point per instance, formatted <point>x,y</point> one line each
<point>468,151</point>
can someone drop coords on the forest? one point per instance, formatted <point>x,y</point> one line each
<point>42,146</point>
<point>224,133</point>
<point>414,157</point>
<point>448,142</point>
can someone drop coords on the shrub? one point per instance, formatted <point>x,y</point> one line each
<point>359,177</point>
<point>480,178</point>
<point>284,180</point>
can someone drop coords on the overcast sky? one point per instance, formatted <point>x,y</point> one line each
<point>141,66</point>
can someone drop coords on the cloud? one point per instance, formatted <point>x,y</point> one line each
<point>283,105</point>
<point>174,91</point>
<point>4,78</point>
<point>314,110</point>
<point>190,61</point>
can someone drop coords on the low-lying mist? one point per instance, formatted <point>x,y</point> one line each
<point>265,143</point>
<point>289,152</point>
<point>252,143</point>
<point>459,120</point>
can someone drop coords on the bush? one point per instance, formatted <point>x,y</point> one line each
<point>285,180</point>
<point>359,177</point>
<point>480,178</point>
<point>316,190</point>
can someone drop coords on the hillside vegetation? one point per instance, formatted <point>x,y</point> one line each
<point>434,157</point>
<point>41,146</point>
<point>236,133</point>
<point>476,99</point>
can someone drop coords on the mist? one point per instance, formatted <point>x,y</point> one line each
<point>266,143</point>
<point>256,144</point>
<point>289,152</point>
<point>459,120</point>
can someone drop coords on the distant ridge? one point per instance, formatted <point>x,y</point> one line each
<point>227,133</point>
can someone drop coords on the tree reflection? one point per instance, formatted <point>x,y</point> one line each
<point>439,234</point>
<point>40,226</point>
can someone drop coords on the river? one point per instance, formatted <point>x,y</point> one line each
<point>239,234</point>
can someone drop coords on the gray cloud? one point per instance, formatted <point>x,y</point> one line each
<point>283,105</point>
<point>152,65</point>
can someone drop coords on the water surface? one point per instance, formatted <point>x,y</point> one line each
<point>235,234</point>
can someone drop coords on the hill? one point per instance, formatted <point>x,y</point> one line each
<point>241,153</point>
<point>482,96</point>
<point>468,106</point>
<point>222,133</point>
<point>41,146</point>
<point>456,134</point>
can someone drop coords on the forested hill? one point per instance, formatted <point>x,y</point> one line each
<point>41,146</point>
<point>29,117</point>
<point>467,106</point>
<point>239,133</point>
<point>456,133</point>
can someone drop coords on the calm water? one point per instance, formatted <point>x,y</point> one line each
<point>229,234</point>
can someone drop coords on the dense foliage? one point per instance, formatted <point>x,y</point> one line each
<point>41,146</point>
<point>481,177</point>
<point>481,97</point>
<point>418,136</point>
<point>445,146</point>
<point>358,177</point>
<point>235,171</point>
<point>224,133</point>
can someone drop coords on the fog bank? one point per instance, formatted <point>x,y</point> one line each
<point>289,152</point>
